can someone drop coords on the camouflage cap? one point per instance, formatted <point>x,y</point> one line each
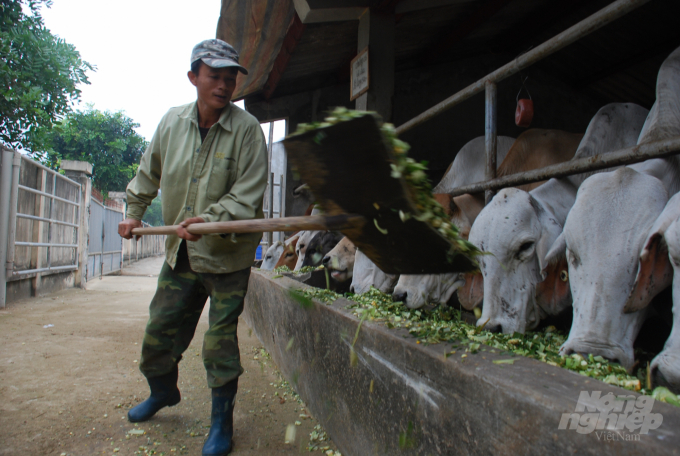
<point>216,54</point>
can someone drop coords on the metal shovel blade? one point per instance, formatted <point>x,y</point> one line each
<point>347,167</point>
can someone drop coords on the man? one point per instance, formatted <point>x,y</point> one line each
<point>209,159</point>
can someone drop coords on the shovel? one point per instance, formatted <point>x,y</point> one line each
<point>347,168</point>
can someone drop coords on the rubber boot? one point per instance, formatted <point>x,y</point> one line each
<point>219,441</point>
<point>164,393</point>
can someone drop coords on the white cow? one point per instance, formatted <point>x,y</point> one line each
<point>518,229</point>
<point>272,256</point>
<point>603,240</point>
<point>533,149</point>
<point>654,273</point>
<point>603,237</point>
<point>367,274</point>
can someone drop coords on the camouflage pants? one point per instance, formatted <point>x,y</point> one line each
<point>174,313</point>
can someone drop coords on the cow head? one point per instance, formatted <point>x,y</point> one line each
<point>516,231</point>
<point>322,243</point>
<point>603,236</point>
<point>340,260</point>
<point>301,248</point>
<point>271,257</point>
<point>289,257</point>
<point>666,366</point>
<point>416,290</point>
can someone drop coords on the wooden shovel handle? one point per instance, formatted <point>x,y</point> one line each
<point>309,223</point>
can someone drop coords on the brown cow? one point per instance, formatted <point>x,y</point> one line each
<point>533,149</point>
<point>289,257</point>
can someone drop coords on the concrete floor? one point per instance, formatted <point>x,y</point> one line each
<point>69,373</point>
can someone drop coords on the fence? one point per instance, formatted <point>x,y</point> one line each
<point>105,246</point>
<point>147,246</point>
<point>40,215</point>
<point>53,234</point>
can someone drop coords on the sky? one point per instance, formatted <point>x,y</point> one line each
<point>142,52</point>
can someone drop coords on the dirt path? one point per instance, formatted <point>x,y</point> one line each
<point>65,389</point>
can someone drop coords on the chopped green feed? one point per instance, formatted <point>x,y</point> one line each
<point>445,325</point>
<point>303,270</point>
<point>413,173</point>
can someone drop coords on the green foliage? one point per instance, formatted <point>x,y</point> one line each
<point>445,325</point>
<point>105,139</point>
<point>39,75</point>
<point>154,213</point>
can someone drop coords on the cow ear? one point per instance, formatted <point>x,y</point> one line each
<point>554,292</point>
<point>655,273</point>
<point>556,254</point>
<point>471,294</point>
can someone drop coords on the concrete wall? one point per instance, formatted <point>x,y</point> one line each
<point>26,287</point>
<point>557,106</point>
<point>409,399</point>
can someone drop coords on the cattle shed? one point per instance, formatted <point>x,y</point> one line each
<point>444,72</point>
<point>423,51</point>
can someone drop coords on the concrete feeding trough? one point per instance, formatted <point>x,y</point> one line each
<point>408,398</point>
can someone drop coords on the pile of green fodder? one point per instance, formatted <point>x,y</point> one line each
<point>302,270</point>
<point>412,172</point>
<point>445,325</point>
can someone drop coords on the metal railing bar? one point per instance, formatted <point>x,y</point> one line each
<point>53,268</point>
<point>45,244</point>
<point>42,219</point>
<point>111,252</point>
<point>47,195</point>
<point>603,17</point>
<point>628,156</point>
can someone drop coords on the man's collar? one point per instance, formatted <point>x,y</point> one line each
<point>191,113</point>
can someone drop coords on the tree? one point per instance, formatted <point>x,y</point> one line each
<point>154,213</point>
<point>39,75</point>
<point>105,139</point>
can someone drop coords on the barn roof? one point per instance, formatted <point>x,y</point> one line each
<point>616,63</point>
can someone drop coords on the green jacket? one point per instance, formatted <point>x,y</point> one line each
<point>222,179</point>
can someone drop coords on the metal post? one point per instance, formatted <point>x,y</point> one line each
<point>37,235</point>
<point>491,135</point>
<point>270,236</point>
<point>14,198</point>
<point>270,145</point>
<point>601,18</point>
<point>282,201</point>
<point>101,256</point>
<point>5,189</point>
<point>49,224</point>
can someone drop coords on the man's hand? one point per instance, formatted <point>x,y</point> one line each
<point>125,227</point>
<point>184,234</point>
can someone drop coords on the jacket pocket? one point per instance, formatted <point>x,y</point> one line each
<point>220,181</point>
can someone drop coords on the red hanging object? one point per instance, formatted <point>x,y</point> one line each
<point>524,113</point>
